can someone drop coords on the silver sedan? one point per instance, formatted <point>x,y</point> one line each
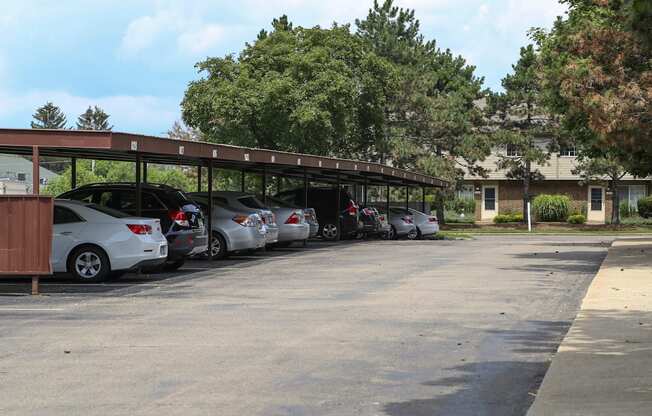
<point>292,225</point>
<point>245,201</point>
<point>426,224</point>
<point>233,229</point>
<point>402,224</point>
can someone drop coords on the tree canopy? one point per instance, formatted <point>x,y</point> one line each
<point>94,118</point>
<point>49,116</point>
<point>596,67</point>
<point>296,89</point>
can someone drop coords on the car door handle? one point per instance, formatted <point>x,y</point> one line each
<point>66,233</point>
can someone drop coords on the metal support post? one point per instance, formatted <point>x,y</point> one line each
<point>73,173</point>
<point>423,199</point>
<point>199,178</point>
<point>139,186</point>
<point>209,220</point>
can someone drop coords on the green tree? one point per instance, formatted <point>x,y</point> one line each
<point>596,67</point>
<point>295,89</point>
<point>49,116</point>
<point>432,119</point>
<point>111,171</point>
<point>521,128</point>
<point>93,119</point>
<point>179,132</point>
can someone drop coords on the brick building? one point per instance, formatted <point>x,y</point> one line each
<point>497,194</point>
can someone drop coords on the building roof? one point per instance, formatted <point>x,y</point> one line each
<point>12,165</point>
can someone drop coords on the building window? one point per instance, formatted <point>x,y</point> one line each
<point>489,199</point>
<point>465,192</point>
<point>630,194</point>
<point>513,151</point>
<point>596,199</point>
<point>568,151</point>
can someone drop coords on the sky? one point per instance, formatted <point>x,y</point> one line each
<point>135,59</point>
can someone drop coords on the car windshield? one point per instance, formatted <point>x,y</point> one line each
<point>108,211</point>
<point>251,202</point>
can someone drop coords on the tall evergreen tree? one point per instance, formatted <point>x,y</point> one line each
<point>431,120</point>
<point>521,127</point>
<point>93,119</point>
<point>49,116</point>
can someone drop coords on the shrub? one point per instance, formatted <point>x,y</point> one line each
<point>461,205</point>
<point>551,208</point>
<point>577,219</point>
<point>507,218</point>
<point>645,207</point>
<point>625,210</point>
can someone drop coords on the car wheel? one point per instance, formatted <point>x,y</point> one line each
<point>218,247</point>
<point>413,235</point>
<point>172,265</point>
<point>330,232</point>
<point>391,234</point>
<point>89,264</point>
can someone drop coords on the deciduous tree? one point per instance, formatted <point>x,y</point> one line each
<point>596,67</point>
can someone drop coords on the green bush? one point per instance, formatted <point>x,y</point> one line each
<point>460,205</point>
<point>645,207</point>
<point>577,219</point>
<point>626,210</point>
<point>551,208</point>
<point>508,217</point>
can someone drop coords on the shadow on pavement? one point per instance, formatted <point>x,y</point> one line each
<point>505,388</point>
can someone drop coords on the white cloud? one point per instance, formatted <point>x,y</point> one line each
<point>187,31</point>
<point>200,40</point>
<point>140,114</point>
<point>142,32</point>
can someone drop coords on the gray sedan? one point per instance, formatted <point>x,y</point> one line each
<point>402,224</point>
<point>291,221</point>
<point>233,230</point>
<point>245,201</point>
<point>426,224</point>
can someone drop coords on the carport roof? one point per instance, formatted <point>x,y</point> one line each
<point>110,145</point>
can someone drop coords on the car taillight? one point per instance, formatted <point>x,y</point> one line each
<point>179,217</point>
<point>407,219</point>
<point>293,219</point>
<point>246,220</point>
<point>432,219</point>
<point>140,229</point>
<point>352,208</point>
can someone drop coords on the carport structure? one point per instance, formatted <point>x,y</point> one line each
<point>141,149</point>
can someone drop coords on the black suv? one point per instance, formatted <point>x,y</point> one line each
<point>333,223</point>
<point>181,219</point>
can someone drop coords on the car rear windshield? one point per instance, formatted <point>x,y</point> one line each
<point>251,202</point>
<point>108,211</point>
<point>180,198</point>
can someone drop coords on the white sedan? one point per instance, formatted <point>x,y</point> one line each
<point>93,242</point>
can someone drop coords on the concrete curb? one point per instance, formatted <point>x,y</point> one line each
<point>604,364</point>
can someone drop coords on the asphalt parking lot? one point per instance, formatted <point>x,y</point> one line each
<point>405,328</point>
